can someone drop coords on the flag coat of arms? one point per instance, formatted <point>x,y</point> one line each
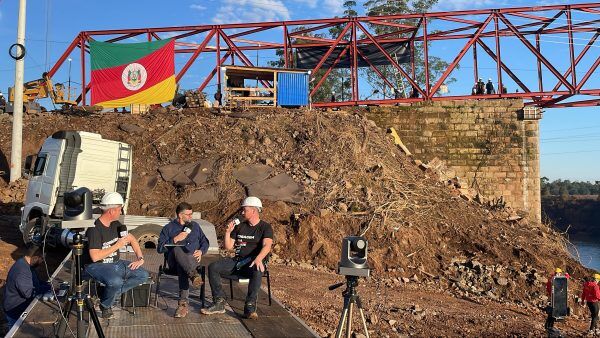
<point>132,73</point>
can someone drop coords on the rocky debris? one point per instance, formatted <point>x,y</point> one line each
<point>469,277</point>
<point>12,196</point>
<point>131,128</point>
<point>181,174</point>
<point>253,173</point>
<point>364,184</point>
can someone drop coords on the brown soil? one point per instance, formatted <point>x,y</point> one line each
<point>425,241</point>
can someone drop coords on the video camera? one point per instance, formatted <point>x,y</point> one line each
<point>353,261</point>
<point>77,217</point>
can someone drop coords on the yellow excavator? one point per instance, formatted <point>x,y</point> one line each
<point>38,89</point>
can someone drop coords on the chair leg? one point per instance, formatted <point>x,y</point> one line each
<point>157,287</point>
<point>203,287</point>
<point>269,286</point>
<point>132,301</point>
<point>231,287</point>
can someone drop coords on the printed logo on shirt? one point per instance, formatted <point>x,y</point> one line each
<point>110,258</point>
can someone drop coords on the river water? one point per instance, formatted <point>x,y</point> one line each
<point>589,253</point>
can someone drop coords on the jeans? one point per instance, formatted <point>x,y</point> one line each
<point>10,321</point>
<point>117,278</point>
<point>226,267</point>
<point>185,264</point>
<point>594,313</point>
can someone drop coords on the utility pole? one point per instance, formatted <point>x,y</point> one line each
<point>17,131</point>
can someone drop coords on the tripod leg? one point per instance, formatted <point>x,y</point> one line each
<point>340,328</point>
<point>364,322</point>
<point>349,322</point>
<point>94,316</point>
<point>362,315</point>
<point>62,324</point>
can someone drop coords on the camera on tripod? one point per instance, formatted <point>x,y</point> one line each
<point>353,261</point>
<point>77,217</point>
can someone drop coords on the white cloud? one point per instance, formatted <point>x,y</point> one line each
<point>233,11</point>
<point>334,7</point>
<point>197,7</point>
<point>309,3</point>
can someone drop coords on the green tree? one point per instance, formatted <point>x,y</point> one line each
<point>436,64</point>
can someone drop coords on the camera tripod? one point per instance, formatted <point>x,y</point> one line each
<point>78,299</point>
<point>351,298</point>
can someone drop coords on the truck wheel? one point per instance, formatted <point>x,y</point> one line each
<point>147,235</point>
<point>33,232</point>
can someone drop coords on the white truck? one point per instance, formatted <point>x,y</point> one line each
<point>73,159</point>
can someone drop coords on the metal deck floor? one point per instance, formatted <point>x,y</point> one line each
<point>274,321</point>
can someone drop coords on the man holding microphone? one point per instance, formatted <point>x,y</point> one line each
<point>185,243</point>
<point>104,241</point>
<point>252,240</point>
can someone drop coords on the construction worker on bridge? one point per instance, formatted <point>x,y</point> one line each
<point>252,239</point>
<point>591,295</point>
<point>489,87</point>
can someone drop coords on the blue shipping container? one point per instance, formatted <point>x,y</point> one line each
<point>292,89</point>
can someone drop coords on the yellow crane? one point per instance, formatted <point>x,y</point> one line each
<point>42,88</point>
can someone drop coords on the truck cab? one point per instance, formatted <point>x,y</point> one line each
<point>66,161</point>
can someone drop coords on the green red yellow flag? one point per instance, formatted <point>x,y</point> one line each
<point>132,73</point>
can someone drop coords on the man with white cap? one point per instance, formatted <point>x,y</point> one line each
<point>252,240</point>
<point>104,241</point>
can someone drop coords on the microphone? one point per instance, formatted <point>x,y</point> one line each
<point>187,227</point>
<point>123,231</point>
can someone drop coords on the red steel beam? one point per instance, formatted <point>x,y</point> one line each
<point>392,61</point>
<point>588,74</point>
<point>335,62</point>
<point>375,69</point>
<point>533,50</point>
<point>506,69</point>
<point>215,70</point>
<point>199,50</point>
<point>460,55</point>
<point>579,57</point>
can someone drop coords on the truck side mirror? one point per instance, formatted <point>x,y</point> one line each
<point>29,160</point>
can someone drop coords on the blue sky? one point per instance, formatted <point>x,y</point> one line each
<point>570,138</point>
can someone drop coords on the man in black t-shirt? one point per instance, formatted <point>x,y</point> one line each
<point>104,242</point>
<point>252,240</point>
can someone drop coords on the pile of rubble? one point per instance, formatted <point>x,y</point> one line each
<point>323,176</point>
<point>12,196</point>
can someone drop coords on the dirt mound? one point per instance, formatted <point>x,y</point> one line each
<point>12,196</point>
<point>352,179</point>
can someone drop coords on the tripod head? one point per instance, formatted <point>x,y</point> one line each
<point>351,284</point>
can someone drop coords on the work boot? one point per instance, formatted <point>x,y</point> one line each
<point>218,307</point>
<point>196,279</point>
<point>182,309</point>
<point>250,311</point>
<point>107,313</point>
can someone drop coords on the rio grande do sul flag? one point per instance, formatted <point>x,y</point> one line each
<point>132,73</point>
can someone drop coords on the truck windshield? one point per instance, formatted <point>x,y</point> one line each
<point>40,164</point>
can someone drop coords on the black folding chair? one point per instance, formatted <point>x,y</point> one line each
<point>237,277</point>
<point>165,269</point>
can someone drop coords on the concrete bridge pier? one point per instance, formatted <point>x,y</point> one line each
<point>489,144</point>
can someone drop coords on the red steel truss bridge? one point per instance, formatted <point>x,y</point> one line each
<point>547,55</point>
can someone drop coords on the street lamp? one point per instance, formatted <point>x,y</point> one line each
<point>69,86</point>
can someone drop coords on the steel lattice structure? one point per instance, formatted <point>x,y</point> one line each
<point>530,26</point>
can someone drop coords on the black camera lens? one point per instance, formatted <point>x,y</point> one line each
<point>73,199</point>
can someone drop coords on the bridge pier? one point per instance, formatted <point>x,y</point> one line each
<point>488,144</point>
